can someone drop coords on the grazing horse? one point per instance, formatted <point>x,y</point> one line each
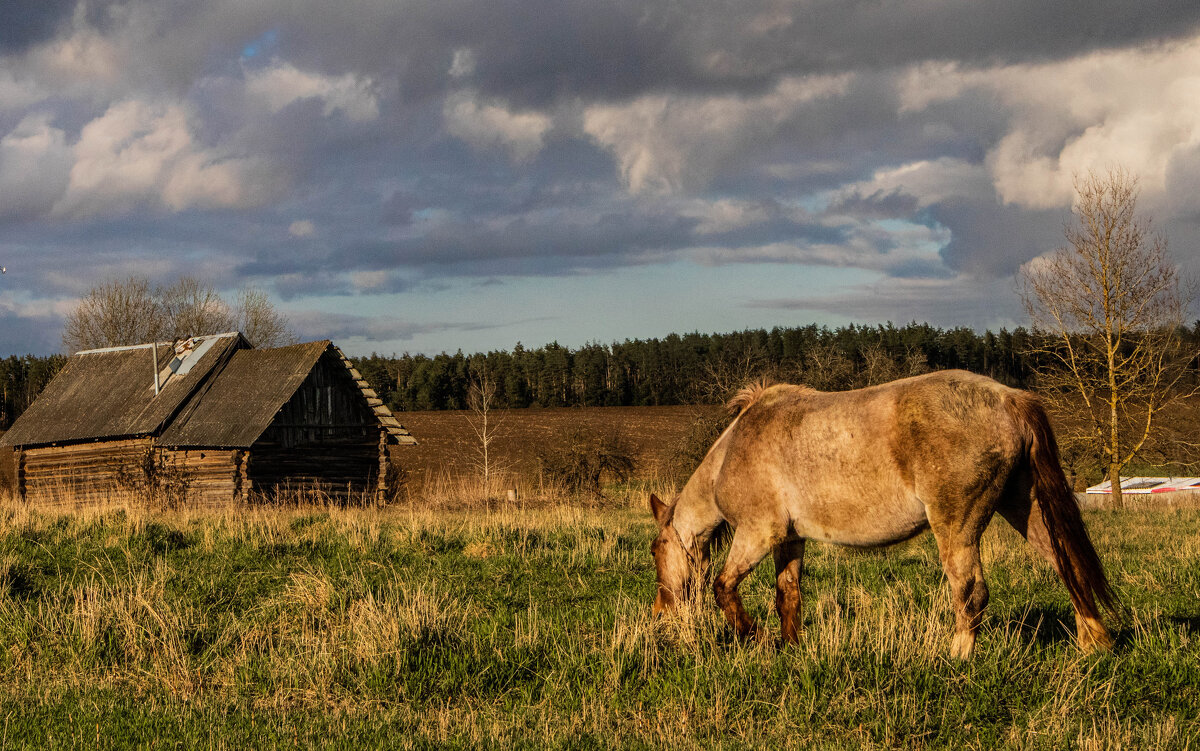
<point>942,451</point>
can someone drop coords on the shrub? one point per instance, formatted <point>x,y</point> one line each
<point>703,431</point>
<point>156,479</point>
<point>584,458</point>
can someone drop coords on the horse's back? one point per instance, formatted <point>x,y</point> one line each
<point>861,467</point>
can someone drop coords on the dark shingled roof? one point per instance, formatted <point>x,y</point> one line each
<point>110,394</point>
<point>232,408</point>
<point>238,405</point>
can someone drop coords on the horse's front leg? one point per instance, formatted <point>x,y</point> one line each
<point>749,547</point>
<point>789,566</point>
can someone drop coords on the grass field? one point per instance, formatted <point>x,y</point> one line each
<point>400,628</point>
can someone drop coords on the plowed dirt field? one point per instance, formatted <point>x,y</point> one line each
<point>448,447</point>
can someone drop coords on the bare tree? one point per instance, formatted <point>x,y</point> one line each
<point>826,368</point>
<point>115,313</point>
<point>880,366</point>
<point>1106,310</point>
<point>130,311</point>
<point>481,401</point>
<point>721,378</point>
<point>192,308</point>
<point>259,321</point>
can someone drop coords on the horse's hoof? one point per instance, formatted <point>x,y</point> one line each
<point>962,645</point>
<point>1093,636</point>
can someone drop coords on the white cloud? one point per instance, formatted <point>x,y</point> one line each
<point>370,281</point>
<point>854,242</point>
<point>16,93</point>
<point>35,164</point>
<point>664,143</point>
<point>493,125</point>
<point>724,215</point>
<point>302,228</point>
<point>961,300</point>
<point>42,307</point>
<point>282,83</point>
<point>1135,107</point>
<point>463,64</point>
<point>140,153</point>
<point>930,181</point>
<point>82,62</point>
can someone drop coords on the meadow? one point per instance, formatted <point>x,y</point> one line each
<point>401,627</point>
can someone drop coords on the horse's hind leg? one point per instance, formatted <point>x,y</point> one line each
<point>1022,512</point>
<point>789,566</point>
<point>958,526</point>
<point>969,591</point>
<point>748,548</point>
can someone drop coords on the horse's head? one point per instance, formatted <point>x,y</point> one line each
<point>672,560</point>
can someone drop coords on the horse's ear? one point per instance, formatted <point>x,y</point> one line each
<point>661,511</point>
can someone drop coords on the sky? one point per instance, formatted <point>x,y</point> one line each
<point>435,175</point>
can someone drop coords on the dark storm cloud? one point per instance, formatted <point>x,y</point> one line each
<point>847,138</point>
<point>480,249</point>
<point>36,334</point>
<point>24,23</point>
<point>534,52</point>
<point>537,51</point>
<point>991,239</point>
<point>881,205</point>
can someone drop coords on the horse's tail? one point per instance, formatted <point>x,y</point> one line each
<point>746,396</point>
<point>1077,561</point>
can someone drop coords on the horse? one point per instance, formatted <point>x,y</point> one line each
<point>872,467</point>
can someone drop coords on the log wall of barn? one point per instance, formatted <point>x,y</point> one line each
<point>81,471</point>
<point>209,475</point>
<point>8,471</point>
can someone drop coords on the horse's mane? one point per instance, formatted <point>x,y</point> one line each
<point>747,395</point>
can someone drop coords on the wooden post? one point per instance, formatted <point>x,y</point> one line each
<point>244,482</point>
<point>20,460</point>
<point>237,475</point>
<point>381,484</point>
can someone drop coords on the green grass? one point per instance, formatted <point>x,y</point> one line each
<point>393,628</point>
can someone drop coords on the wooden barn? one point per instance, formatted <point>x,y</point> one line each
<point>211,419</point>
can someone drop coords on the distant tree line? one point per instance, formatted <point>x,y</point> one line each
<point>690,368</point>
<point>21,380</point>
<point>676,369</point>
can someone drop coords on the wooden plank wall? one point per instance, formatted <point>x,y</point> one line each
<point>80,471</point>
<point>348,469</point>
<point>327,408</point>
<point>211,475</point>
<point>325,438</point>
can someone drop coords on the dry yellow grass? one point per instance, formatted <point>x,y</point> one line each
<point>511,625</point>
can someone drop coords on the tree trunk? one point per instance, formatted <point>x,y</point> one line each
<point>1114,477</point>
